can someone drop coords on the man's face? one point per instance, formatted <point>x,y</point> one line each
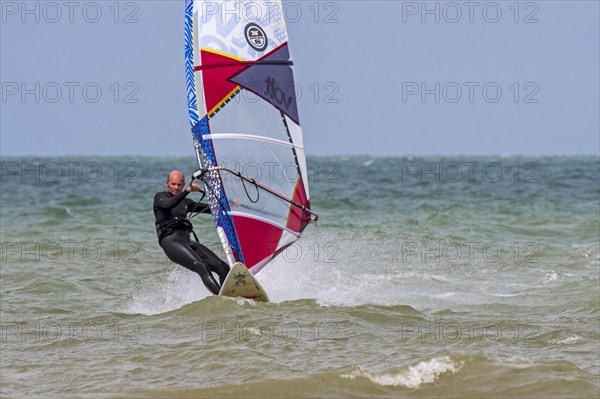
<point>175,183</point>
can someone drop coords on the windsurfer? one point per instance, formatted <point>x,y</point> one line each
<point>173,229</point>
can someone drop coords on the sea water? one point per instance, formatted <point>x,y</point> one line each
<point>424,277</point>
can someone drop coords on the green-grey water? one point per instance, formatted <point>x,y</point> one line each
<point>424,277</point>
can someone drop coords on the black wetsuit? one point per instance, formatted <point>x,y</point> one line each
<point>173,230</point>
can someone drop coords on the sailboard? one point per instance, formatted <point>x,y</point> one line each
<point>241,283</point>
<point>245,127</point>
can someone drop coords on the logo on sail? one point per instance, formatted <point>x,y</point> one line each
<point>276,94</point>
<point>256,37</point>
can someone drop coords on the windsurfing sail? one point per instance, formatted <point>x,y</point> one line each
<point>245,126</point>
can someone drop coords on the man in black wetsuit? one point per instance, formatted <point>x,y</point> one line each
<point>173,229</point>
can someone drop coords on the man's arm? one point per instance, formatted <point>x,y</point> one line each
<point>165,201</point>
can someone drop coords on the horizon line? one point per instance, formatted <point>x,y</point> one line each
<point>405,155</point>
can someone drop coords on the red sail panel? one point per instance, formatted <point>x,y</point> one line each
<point>217,86</point>
<point>298,219</point>
<point>259,240</point>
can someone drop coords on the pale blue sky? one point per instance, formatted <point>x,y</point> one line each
<point>375,77</point>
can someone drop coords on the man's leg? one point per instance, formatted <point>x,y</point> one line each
<point>182,254</point>
<point>215,264</point>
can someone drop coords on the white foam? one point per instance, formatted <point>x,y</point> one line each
<point>550,277</point>
<point>566,341</point>
<point>425,372</point>
<point>336,283</point>
<point>505,295</point>
<point>178,288</point>
<point>286,281</point>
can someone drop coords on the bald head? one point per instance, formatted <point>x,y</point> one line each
<point>175,182</point>
<point>175,174</point>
